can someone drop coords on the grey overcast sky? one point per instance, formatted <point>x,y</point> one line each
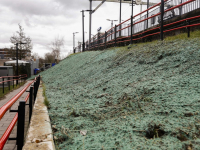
<point>43,20</point>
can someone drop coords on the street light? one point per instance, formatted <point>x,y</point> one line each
<point>111,25</point>
<point>74,41</point>
<point>83,28</point>
<point>17,57</point>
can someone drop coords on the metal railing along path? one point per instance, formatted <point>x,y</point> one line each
<point>140,27</point>
<point>20,114</point>
<point>10,81</point>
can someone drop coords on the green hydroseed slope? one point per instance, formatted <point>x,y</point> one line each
<point>145,97</point>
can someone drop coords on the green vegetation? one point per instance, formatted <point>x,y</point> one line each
<point>46,102</point>
<point>143,96</point>
<point>6,89</point>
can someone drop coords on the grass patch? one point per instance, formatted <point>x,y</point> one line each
<point>46,102</point>
<point>183,36</point>
<point>149,47</point>
<point>6,89</point>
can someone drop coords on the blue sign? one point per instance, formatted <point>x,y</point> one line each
<point>99,29</point>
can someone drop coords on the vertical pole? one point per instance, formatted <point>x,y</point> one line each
<point>188,28</point>
<point>35,89</point>
<point>90,24</point>
<point>17,61</point>
<point>3,84</point>
<point>115,35</point>
<point>111,28</point>
<point>147,12</point>
<point>180,9</point>
<point>120,17</point>
<point>20,125</point>
<point>13,82</point>
<point>30,103</point>
<point>83,30</point>
<point>132,9</point>
<point>9,83</point>
<point>74,42</point>
<point>161,23</point>
<point>98,40</point>
<point>105,38</point>
<point>131,30</point>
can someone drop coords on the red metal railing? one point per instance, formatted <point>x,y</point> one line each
<point>8,105</point>
<point>11,79</point>
<point>4,108</point>
<point>103,40</point>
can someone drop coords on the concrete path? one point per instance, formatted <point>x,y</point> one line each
<point>8,117</point>
<point>39,135</point>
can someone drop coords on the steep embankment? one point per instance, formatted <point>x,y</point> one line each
<point>143,97</point>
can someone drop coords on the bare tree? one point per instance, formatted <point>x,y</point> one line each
<point>19,37</point>
<point>56,46</point>
<point>49,58</point>
<point>35,55</point>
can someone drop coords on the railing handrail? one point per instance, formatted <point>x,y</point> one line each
<point>8,131</point>
<point>14,76</point>
<point>20,115</point>
<point>143,23</point>
<point>4,108</point>
<point>19,77</point>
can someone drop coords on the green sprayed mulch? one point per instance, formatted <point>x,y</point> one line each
<point>145,97</point>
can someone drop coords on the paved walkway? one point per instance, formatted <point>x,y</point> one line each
<point>8,117</point>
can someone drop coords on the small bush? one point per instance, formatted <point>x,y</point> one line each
<point>46,102</point>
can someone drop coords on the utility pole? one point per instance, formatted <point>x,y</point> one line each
<point>83,28</point>
<point>17,62</point>
<point>132,8</point>
<point>90,24</point>
<point>83,46</point>
<point>161,23</point>
<point>111,25</point>
<point>147,12</point>
<point>120,17</point>
<point>17,70</point>
<point>74,41</point>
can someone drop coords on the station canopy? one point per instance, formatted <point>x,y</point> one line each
<point>15,62</point>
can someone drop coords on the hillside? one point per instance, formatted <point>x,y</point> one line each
<point>145,96</point>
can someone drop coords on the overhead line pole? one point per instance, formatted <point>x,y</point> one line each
<point>90,23</point>
<point>147,12</point>
<point>132,7</point>
<point>131,42</point>
<point>120,17</point>
<point>83,49</point>
<point>161,23</point>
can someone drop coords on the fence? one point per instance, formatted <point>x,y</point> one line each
<point>140,27</point>
<point>20,115</point>
<point>8,81</point>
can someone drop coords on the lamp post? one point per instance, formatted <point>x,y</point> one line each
<point>111,25</point>
<point>83,28</point>
<point>17,71</point>
<point>74,41</point>
<point>120,17</point>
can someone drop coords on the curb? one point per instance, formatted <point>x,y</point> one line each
<point>39,135</point>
